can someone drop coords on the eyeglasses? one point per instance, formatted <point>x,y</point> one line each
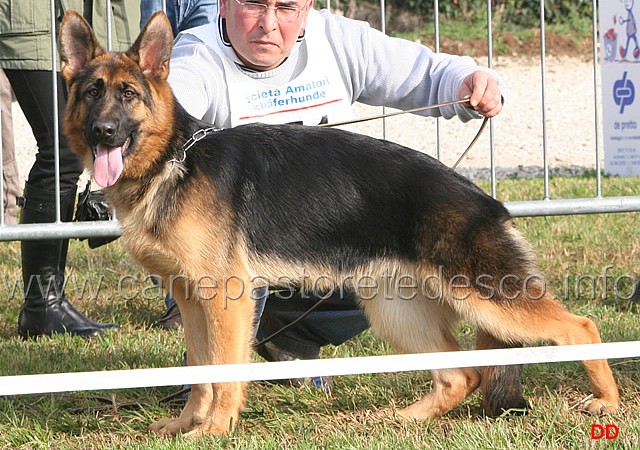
<point>283,13</point>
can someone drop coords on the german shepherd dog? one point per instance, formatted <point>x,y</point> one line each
<point>257,203</point>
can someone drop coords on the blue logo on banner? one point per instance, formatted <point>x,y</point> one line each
<point>623,92</point>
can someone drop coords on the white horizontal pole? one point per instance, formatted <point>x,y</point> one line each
<point>172,376</point>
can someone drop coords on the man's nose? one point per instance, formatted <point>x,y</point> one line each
<point>269,20</point>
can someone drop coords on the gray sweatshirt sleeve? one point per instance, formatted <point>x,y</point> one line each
<point>381,70</point>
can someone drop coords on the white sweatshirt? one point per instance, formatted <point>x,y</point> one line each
<point>375,69</point>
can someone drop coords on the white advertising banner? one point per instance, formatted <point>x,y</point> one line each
<point>620,57</point>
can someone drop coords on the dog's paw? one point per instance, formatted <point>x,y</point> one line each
<point>192,426</point>
<point>173,426</point>
<point>600,406</point>
<point>383,414</point>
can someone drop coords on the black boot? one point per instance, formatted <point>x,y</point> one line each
<point>46,310</point>
<point>635,296</point>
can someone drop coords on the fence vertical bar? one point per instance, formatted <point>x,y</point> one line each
<point>383,28</point>
<point>490,65</point>
<point>1,164</point>
<point>543,47</point>
<point>596,116</point>
<point>54,87</point>
<point>108,15</point>
<point>436,36</point>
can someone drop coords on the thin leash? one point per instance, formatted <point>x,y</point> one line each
<point>461,101</point>
<point>472,143</point>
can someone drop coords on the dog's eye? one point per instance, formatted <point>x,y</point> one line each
<point>93,92</point>
<point>128,94</point>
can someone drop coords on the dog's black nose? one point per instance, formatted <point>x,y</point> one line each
<point>104,128</point>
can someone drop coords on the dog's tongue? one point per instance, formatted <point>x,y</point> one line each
<point>107,166</point>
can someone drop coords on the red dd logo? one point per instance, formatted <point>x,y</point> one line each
<point>608,431</point>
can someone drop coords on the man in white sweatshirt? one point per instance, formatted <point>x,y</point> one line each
<point>255,63</point>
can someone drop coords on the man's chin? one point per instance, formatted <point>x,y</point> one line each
<point>262,67</point>
<point>264,62</point>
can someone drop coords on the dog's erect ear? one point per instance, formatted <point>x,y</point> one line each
<point>152,49</point>
<point>78,44</point>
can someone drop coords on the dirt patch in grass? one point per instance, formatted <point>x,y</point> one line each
<point>504,44</point>
<point>508,44</point>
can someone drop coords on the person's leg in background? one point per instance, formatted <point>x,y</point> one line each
<point>334,320</point>
<point>150,7</point>
<point>635,296</point>
<point>10,175</point>
<point>193,13</point>
<point>46,310</point>
<point>182,14</point>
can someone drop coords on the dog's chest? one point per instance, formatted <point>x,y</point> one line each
<point>150,252</point>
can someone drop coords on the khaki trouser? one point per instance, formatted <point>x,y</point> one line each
<point>10,176</point>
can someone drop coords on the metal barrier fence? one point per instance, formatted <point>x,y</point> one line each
<point>542,207</point>
<point>59,229</point>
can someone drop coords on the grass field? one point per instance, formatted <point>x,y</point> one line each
<point>575,253</point>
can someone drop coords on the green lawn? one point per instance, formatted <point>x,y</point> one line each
<point>574,252</point>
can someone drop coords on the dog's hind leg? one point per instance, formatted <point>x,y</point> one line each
<point>217,327</point>
<point>501,385</point>
<point>421,325</point>
<point>531,321</point>
<point>450,387</point>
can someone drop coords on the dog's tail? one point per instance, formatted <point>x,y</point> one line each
<point>501,385</point>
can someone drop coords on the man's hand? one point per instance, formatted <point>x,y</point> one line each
<point>483,88</point>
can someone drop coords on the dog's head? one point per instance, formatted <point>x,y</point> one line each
<point>120,106</point>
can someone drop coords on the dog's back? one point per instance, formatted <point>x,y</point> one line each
<point>323,198</point>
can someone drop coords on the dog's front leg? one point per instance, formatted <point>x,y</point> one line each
<point>218,326</point>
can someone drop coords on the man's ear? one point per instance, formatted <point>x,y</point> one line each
<point>222,4</point>
<point>152,48</point>
<point>303,25</point>
<point>78,44</point>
